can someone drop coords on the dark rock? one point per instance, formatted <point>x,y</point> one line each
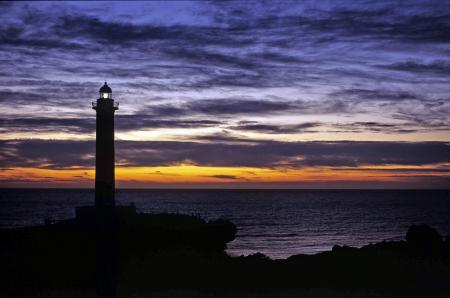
<point>172,251</point>
<point>424,241</point>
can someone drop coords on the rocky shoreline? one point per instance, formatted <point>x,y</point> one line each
<point>174,255</point>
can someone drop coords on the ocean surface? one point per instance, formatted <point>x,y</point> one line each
<point>278,223</point>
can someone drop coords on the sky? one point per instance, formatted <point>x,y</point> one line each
<point>266,94</point>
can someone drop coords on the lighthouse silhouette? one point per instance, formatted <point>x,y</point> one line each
<point>105,106</point>
<point>105,211</point>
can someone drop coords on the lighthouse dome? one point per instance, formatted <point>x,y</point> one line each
<point>105,89</point>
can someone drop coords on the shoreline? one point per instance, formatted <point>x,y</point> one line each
<point>176,254</point>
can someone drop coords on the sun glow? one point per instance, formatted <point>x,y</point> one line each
<point>192,174</point>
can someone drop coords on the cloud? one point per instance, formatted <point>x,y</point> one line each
<point>412,170</point>
<point>250,49</point>
<point>263,154</point>
<point>389,128</point>
<point>438,67</point>
<point>142,121</point>
<point>86,125</point>
<point>275,129</point>
<point>234,106</point>
<point>382,24</point>
<point>229,106</point>
<point>13,36</point>
<point>167,116</point>
<point>374,95</point>
<point>226,177</point>
<point>40,124</point>
<point>224,136</point>
<point>7,96</point>
<point>45,93</point>
<point>111,32</point>
<point>47,154</point>
<point>326,23</point>
<point>222,107</point>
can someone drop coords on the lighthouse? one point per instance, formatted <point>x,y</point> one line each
<point>104,212</point>
<point>105,106</point>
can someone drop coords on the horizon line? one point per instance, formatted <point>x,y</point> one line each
<point>230,189</point>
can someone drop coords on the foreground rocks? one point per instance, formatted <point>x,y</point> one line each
<point>169,255</point>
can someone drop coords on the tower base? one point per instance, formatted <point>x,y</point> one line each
<point>92,213</point>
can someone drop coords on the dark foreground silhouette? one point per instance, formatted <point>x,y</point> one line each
<point>172,255</point>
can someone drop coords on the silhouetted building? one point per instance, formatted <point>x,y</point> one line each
<point>105,208</point>
<point>104,152</point>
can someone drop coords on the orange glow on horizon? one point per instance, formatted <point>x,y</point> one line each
<point>192,174</point>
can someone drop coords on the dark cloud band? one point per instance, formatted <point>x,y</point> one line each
<point>264,154</point>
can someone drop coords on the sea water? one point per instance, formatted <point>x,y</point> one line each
<point>278,223</point>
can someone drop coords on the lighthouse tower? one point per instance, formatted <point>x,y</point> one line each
<point>105,107</point>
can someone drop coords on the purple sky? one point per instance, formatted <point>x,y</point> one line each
<point>277,83</point>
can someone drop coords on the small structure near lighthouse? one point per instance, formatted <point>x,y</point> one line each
<point>105,106</point>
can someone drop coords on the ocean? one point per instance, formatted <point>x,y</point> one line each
<point>278,223</point>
